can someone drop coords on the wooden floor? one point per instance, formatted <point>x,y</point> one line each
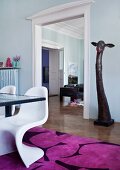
<point>69,119</point>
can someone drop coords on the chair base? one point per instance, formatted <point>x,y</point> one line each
<point>30,154</point>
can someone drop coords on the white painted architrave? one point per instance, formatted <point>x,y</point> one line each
<point>51,44</point>
<point>61,13</point>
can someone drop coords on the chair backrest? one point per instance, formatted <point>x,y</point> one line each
<point>9,90</point>
<point>35,111</point>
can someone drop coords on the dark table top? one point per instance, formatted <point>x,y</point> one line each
<point>8,99</point>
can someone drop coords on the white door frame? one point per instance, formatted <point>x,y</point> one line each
<point>56,14</point>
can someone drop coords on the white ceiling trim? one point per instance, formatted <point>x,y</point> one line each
<point>51,44</point>
<point>67,29</point>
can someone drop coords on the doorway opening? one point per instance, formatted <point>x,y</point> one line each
<point>52,69</point>
<point>64,65</point>
<point>57,14</point>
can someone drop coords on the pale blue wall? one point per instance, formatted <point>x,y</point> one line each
<point>105,25</point>
<point>73,51</point>
<point>16,34</point>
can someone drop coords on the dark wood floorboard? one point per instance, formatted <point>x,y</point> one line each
<point>69,119</point>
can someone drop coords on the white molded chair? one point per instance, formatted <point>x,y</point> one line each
<point>12,129</point>
<point>9,90</point>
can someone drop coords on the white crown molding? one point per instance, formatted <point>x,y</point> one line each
<point>60,8</point>
<point>71,11</point>
<point>51,44</point>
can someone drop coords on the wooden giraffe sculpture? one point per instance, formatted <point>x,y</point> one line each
<point>104,117</point>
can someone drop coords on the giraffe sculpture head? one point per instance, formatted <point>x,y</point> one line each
<point>100,46</point>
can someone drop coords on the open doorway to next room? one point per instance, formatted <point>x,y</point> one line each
<point>67,35</point>
<point>52,69</point>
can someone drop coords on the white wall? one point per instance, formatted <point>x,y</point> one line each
<point>105,25</point>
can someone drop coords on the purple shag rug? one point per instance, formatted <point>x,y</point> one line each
<point>65,152</point>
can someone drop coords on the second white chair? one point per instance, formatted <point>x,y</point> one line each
<point>8,90</point>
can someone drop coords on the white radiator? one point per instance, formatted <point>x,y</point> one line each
<point>9,77</point>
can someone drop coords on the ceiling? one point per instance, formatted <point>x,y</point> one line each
<point>73,28</point>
